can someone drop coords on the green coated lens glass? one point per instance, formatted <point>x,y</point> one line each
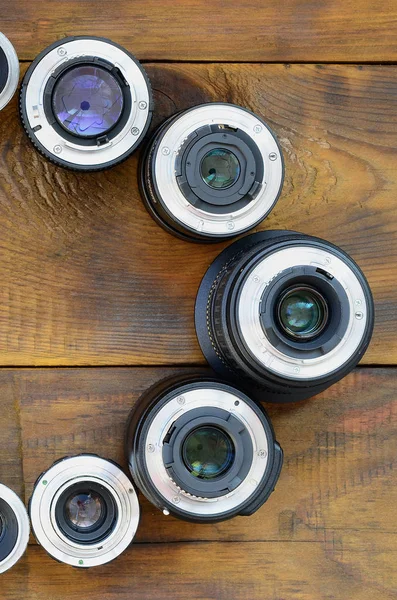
<point>303,312</point>
<point>220,168</point>
<point>208,452</point>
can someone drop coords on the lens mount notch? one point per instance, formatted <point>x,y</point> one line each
<point>151,429</point>
<point>60,144</point>
<point>14,533</point>
<point>233,283</point>
<point>59,488</point>
<point>174,191</point>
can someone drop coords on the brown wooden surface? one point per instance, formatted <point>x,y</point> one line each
<point>88,278</point>
<point>328,530</point>
<point>237,30</point>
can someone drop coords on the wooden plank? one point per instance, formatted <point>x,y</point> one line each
<point>216,571</point>
<point>339,476</point>
<point>342,30</point>
<point>89,279</point>
<point>10,434</point>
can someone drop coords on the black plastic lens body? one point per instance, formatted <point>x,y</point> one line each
<point>85,103</point>
<point>284,315</point>
<point>211,172</point>
<point>192,441</point>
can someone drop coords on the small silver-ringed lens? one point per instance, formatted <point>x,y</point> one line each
<point>22,519</point>
<point>13,71</point>
<point>84,469</point>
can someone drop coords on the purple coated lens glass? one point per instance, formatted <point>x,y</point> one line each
<point>87,101</point>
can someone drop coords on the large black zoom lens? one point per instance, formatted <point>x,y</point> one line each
<point>211,172</point>
<point>202,450</point>
<point>284,314</point>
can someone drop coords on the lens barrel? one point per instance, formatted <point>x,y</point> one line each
<point>211,172</point>
<point>202,450</point>
<point>86,103</point>
<point>9,70</point>
<point>14,528</point>
<point>84,510</point>
<point>283,314</point>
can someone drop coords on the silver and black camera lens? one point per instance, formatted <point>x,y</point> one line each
<point>284,314</point>
<point>86,103</point>
<point>9,70</point>
<point>14,528</point>
<point>84,511</point>
<point>202,450</point>
<point>211,172</point>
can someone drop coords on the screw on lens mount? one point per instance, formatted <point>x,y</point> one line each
<point>84,510</point>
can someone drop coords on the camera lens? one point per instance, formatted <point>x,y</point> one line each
<point>202,450</point>
<point>211,172</point>
<point>14,528</point>
<point>283,314</point>
<point>86,103</point>
<point>9,70</point>
<point>302,312</point>
<point>84,511</point>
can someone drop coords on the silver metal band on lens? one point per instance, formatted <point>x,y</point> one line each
<point>167,185</point>
<point>180,405</point>
<point>77,154</point>
<point>22,518</point>
<point>61,476</point>
<point>248,311</point>
<point>13,71</point>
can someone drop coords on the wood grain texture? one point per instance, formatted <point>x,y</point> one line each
<point>10,433</point>
<point>237,30</point>
<point>213,571</point>
<point>327,532</point>
<point>87,276</point>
